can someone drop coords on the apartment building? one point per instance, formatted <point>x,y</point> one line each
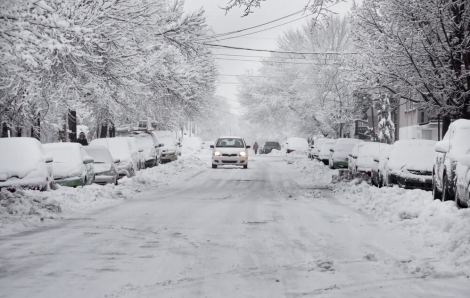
<point>415,123</point>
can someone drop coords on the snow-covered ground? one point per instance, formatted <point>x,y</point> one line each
<point>442,229</point>
<point>30,208</point>
<point>280,228</point>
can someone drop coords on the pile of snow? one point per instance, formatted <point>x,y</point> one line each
<point>27,208</point>
<point>313,171</point>
<point>191,145</point>
<point>443,226</point>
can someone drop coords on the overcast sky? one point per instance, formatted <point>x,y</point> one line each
<point>220,22</point>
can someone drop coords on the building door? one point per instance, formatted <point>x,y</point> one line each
<point>427,135</point>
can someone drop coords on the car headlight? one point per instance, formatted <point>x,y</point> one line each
<point>242,153</point>
<point>217,153</point>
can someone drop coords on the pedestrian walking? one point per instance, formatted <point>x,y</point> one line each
<point>255,147</point>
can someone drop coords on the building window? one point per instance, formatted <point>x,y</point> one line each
<point>422,116</point>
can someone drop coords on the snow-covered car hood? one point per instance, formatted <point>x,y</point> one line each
<point>102,167</point>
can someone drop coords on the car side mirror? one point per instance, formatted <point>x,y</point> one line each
<point>161,145</point>
<point>48,158</point>
<point>88,160</point>
<point>331,150</point>
<point>442,146</point>
<point>248,147</point>
<point>212,146</point>
<point>116,160</point>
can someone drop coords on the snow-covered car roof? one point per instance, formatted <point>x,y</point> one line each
<point>460,130</point>
<point>67,157</point>
<point>19,156</point>
<point>118,147</point>
<point>297,143</point>
<point>415,155</point>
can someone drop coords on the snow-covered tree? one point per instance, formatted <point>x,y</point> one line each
<point>386,126</point>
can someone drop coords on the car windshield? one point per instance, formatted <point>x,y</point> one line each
<point>100,155</point>
<point>230,142</point>
<point>272,144</point>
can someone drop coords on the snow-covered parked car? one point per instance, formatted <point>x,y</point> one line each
<point>24,164</point>
<point>121,148</point>
<point>148,142</point>
<point>267,147</point>
<point>340,152</point>
<point>324,154</point>
<point>362,157</point>
<point>72,166</point>
<point>230,151</point>
<point>299,145</point>
<point>410,164</point>
<point>315,150</point>
<point>455,144</point>
<point>462,178</point>
<point>380,164</point>
<point>171,148</point>
<point>105,168</point>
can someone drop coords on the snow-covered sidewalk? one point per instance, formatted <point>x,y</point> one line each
<point>29,208</point>
<point>441,227</point>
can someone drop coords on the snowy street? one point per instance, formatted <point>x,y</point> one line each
<point>268,231</point>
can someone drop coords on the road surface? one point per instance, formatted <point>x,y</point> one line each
<point>222,233</point>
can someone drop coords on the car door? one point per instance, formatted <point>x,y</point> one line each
<point>89,168</point>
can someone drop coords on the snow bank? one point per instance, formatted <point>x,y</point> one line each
<point>28,208</point>
<point>443,226</point>
<point>312,170</point>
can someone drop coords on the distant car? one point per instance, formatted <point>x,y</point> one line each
<point>25,164</point>
<point>324,154</point>
<point>340,152</point>
<point>105,165</point>
<point>299,145</point>
<point>171,148</point>
<point>230,151</point>
<point>261,149</point>
<point>410,164</point>
<point>315,151</point>
<point>380,164</point>
<point>72,166</point>
<point>462,177</point>
<point>455,144</point>
<point>120,148</point>
<point>269,146</point>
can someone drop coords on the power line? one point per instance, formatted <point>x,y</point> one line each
<point>274,61</point>
<point>271,77</point>
<point>246,34</point>
<point>253,56</point>
<point>281,52</point>
<point>249,28</point>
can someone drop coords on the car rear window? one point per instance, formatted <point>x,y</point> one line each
<point>230,142</point>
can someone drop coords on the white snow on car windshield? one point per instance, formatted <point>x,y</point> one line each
<point>234,143</point>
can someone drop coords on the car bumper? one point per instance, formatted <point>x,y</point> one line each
<point>105,179</point>
<point>229,161</point>
<point>70,182</point>
<point>31,184</point>
<point>415,183</point>
<point>168,156</point>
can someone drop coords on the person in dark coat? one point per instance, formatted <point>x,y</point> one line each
<point>82,139</point>
<point>255,147</point>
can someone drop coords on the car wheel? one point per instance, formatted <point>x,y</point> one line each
<point>458,201</point>
<point>116,181</point>
<point>379,180</point>
<point>435,192</point>
<point>245,166</point>
<point>214,166</point>
<point>85,181</point>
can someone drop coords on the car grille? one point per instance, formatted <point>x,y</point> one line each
<point>229,161</point>
<point>421,173</point>
<point>229,155</point>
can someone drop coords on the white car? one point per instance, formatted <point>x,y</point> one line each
<point>299,145</point>
<point>455,144</point>
<point>380,164</point>
<point>364,157</point>
<point>230,151</point>
<point>105,165</point>
<point>315,150</point>
<point>410,164</point>
<point>340,152</point>
<point>24,164</point>
<point>324,154</point>
<point>462,177</point>
<point>171,148</point>
<point>121,148</point>
<point>72,165</point>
